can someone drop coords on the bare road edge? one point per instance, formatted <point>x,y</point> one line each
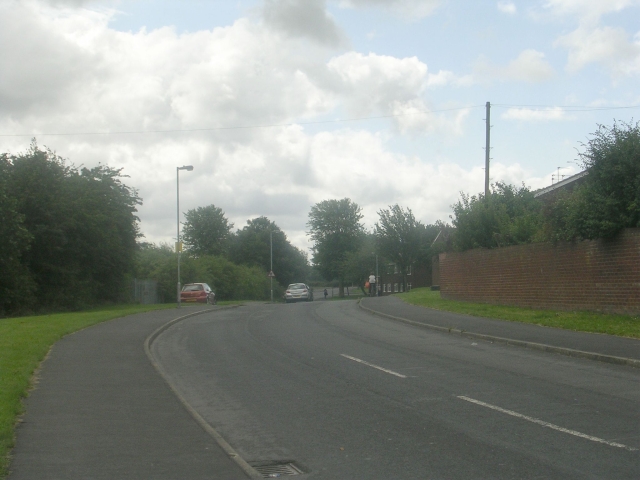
<point>509,341</point>
<point>228,449</point>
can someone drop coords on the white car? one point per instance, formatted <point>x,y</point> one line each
<point>298,292</point>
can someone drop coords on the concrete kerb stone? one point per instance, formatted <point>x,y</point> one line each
<point>509,341</point>
<point>228,449</point>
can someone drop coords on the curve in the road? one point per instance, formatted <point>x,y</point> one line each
<point>228,449</point>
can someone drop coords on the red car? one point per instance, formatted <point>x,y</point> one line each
<point>197,292</point>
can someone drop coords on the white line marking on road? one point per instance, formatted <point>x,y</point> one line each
<point>547,424</point>
<point>374,366</point>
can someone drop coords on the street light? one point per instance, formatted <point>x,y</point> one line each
<point>188,168</point>
<point>377,278</point>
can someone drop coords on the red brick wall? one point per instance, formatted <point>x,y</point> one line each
<point>600,275</point>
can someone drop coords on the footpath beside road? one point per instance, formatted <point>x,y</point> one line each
<point>100,410</point>
<point>608,348</point>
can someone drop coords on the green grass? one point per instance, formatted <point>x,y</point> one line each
<point>621,325</point>
<point>24,343</point>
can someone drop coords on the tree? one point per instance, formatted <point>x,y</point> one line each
<point>228,280</point>
<point>251,246</point>
<point>82,226</point>
<point>609,198</point>
<point>399,236</point>
<point>16,285</point>
<point>362,262</point>
<point>206,231</point>
<point>335,229</point>
<point>510,216</point>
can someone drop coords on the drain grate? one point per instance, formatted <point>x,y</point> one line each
<point>275,470</point>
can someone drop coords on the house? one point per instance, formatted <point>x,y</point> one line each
<point>549,194</point>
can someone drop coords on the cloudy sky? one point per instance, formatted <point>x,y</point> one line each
<point>280,104</point>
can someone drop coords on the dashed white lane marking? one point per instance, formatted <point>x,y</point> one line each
<point>547,424</point>
<point>391,372</point>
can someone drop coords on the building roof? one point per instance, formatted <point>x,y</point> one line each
<point>568,183</point>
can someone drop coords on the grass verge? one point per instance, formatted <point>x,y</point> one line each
<point>621,325</point>
<point>24,343</point>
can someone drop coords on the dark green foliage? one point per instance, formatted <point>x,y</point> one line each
<point>510,216</point>
<point>16,283</point>
<point>251,246</point>
<point>228,280</point>
<point>361,263</point>
<point>207,231</point>
<point>400,237</point>
<point>609,198</point>
<point>335,229</point>
<point>81,229</point>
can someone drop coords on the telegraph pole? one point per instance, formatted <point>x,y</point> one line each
<point>486,153</point>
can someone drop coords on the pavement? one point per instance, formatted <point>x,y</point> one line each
<point>606,348</point>
<point>101,408</point>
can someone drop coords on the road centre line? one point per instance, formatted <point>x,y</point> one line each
<point>547,424</point>
<point>374,366</point>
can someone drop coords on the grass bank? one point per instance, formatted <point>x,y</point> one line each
<point>24,343</point>
<point>621,325</point>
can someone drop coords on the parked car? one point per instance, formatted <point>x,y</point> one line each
<point>197,292</point>
<point>298,291</point>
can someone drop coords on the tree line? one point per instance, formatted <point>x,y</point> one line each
<point>234,264</point>
<point>606,202</point>
<point>69,236</point>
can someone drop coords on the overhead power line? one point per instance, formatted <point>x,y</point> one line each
<point>572,108</point>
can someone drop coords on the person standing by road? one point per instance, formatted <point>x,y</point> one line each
<point>372,285</point>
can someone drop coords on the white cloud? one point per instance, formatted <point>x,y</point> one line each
<point>536,115</point>
<point>530,66</point>
<point>70,72</point>
<point>507,7</point>
<point>303,19</point>
<point>445,78</point>
<point>608,46</point>
<point>592,42</point>
<point>407,9</point>
<point>416,118</point>
<point>588,11</point>
<point>375,82</point>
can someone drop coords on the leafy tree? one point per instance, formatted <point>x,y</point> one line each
<point>362,262</point>
<point>609,198</point>
<point>82,227</point>
<point>399,236</point>
<point>335,229</point>
<point>228,280</point>
<point>509,216</point>
<point>104,229</point>
<point>206,231</point>
<point>251,246</point>
<point>16,285</point>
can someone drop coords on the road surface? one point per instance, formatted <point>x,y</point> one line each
<point>342,394</point>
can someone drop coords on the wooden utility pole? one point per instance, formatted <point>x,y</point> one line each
<point>487,152</point>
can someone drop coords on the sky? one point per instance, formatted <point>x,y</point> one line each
<point>281,104</point>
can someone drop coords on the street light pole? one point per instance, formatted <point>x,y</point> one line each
<point>377,278</point>
<point>178,244</point>
<point>271,269</point>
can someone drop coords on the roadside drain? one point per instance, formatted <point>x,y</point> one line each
<point>275,470</point>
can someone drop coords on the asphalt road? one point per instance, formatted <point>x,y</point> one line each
<point>347,395</point>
